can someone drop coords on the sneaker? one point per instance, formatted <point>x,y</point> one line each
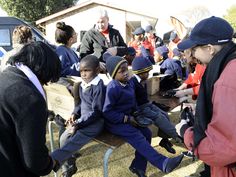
<point>76,155</point>
<point>188,154</point>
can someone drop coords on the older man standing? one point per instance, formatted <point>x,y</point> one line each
<point>101,37</point>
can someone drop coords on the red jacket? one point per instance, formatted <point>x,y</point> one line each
<point>137,46</point>
<point>194,80</point>
<point>218,148</point>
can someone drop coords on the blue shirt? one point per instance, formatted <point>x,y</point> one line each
<point>69,61</point>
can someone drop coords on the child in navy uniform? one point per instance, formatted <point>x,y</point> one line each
<point>141,67</point>
<point>86,121</point>
<point>119,105</point>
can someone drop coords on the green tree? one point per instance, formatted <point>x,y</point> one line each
<point>231,16</point>
<point>32,10</point>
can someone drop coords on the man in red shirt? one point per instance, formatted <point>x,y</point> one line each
<point>139,42</point>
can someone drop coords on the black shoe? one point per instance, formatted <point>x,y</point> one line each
<point>56,166</point>
<point>72,170</point>
<point>143,121</point>
<point>76,155</point>
<point>165,143</point>
<point>138,172</point>
<point>171,163</point>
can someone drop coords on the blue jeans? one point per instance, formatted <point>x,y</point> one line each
<point>159,117</point>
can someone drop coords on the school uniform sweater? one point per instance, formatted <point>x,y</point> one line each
<point>89,121</point>
<point>120,101</point>
<point>140,91</point>
<point>69,61</point>
<point>23,119</point>
<point>92,100</point>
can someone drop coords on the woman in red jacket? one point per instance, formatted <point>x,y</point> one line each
<point>212,137</point>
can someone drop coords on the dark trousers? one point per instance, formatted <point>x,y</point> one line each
<point>160,119</point>
<point>140,139</point>
<point>71,144</point>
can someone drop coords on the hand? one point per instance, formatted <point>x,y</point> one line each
<point>71,120</point>
<point>133,122</point>
<point>179,127</point>
<point>72,129</point>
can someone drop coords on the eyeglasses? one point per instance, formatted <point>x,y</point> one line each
<point>194,49</point>
<point>199,46</point>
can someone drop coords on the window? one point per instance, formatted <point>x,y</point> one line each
<point>5,39</point>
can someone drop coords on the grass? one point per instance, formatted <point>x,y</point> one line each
<point>90,164</point>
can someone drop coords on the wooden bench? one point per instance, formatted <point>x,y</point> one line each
<point>61,102</point>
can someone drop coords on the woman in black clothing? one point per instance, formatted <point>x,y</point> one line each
<point>23,111</point>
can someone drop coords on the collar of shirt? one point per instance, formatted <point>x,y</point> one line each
<point>95,81</point>
<point>32,77</point>
<point>138,78</point>
<point>122,84</point>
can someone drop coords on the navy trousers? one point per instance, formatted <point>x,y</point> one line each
<point>69,145</point>
<point>140,139</point>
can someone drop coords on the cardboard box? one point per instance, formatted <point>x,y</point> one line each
<point>59,100</point>
<point>153,85</point>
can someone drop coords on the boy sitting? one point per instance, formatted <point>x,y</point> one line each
<point>119,105</point>
<point>86,122</point>
<point>141,67</point>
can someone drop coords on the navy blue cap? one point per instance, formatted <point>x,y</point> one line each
<point>162,50</point>
<point>138,31</point>
<point>176,52</point>
<point>141,65</point>
<point>213,30</point>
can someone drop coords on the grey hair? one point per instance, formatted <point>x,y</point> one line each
<point>102,13</point>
